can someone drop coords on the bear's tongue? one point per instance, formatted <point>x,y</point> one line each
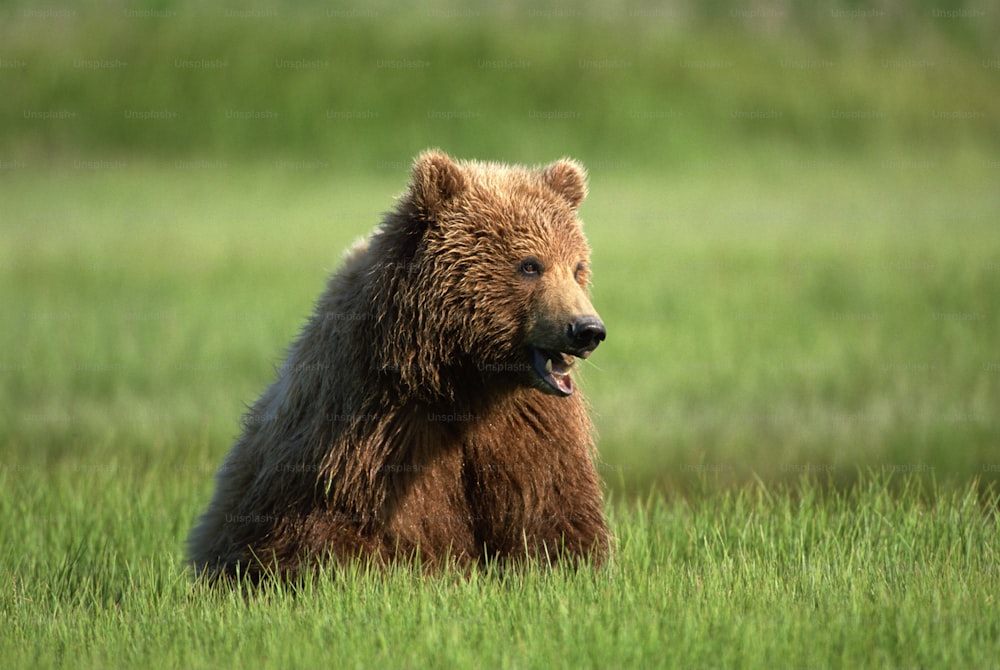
<point>554,369</point>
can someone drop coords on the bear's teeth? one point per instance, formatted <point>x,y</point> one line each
<point>561,365</point>
<point>548,365</point>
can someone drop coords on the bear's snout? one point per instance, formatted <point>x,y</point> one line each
<point>585,334</point>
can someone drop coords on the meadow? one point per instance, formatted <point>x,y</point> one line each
<point>796,403</point>
<point>797,425</point>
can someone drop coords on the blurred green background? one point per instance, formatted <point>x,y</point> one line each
<point>793,212</point>
<point>638,85</point>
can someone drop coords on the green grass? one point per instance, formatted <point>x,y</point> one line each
<point>765,575</point>
<point>355,86</point>
<point>768,318</point>
<point>791,317</point>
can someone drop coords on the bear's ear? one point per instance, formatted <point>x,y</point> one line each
<point>436,179</point>
<point>569,179</point>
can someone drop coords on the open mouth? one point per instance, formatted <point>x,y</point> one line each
<point>553,369</point>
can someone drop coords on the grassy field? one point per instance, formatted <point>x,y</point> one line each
<point>793,214</point>
<point>760,578</point>
<point>853,325</point>
<point>355,85</point>
<point>796,405</point>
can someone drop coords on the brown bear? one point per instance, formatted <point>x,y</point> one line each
<point>427,410</point>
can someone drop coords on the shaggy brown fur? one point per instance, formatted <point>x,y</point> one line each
<point>415,415</point>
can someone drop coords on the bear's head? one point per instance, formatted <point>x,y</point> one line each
<point>483,270</point>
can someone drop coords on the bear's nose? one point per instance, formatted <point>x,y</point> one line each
<point>586,333</point>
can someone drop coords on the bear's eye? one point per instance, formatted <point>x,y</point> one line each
<point>531,266</point>
<point>581,271</point>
